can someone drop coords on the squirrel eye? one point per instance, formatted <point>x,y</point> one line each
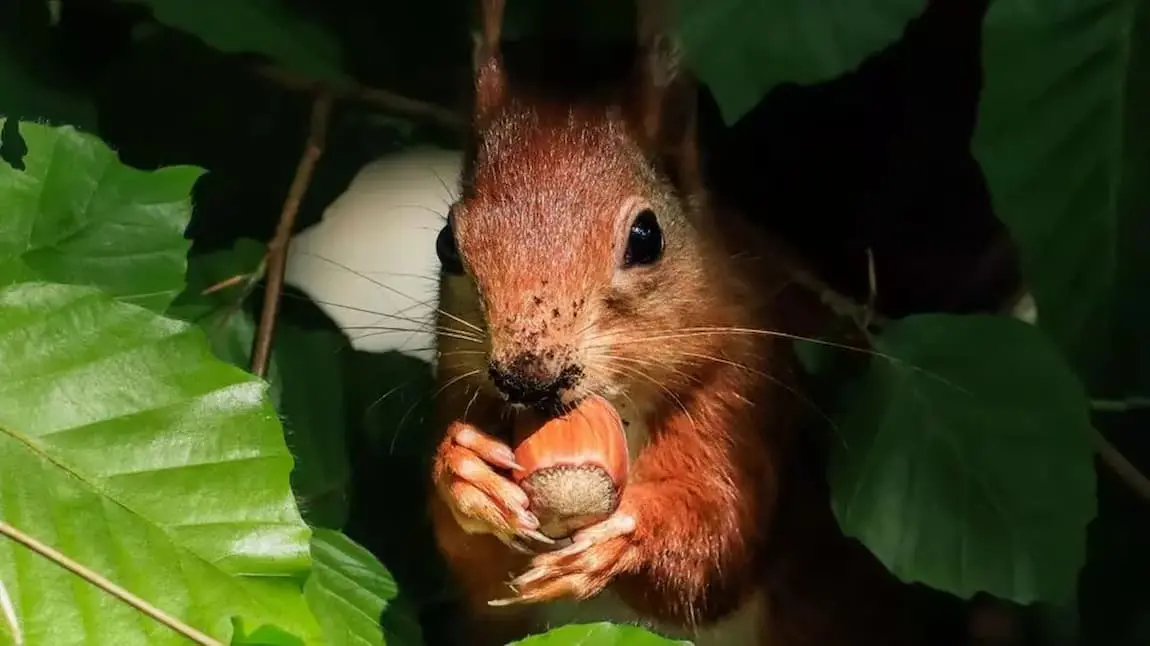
<point>446,250</point>
<point>644,241</point>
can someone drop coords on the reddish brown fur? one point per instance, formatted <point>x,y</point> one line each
<point>540,228</point>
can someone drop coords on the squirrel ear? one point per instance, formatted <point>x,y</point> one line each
<point>666,102</point>
<point>490,78</point>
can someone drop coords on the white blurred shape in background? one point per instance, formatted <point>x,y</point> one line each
<point>371,262</point>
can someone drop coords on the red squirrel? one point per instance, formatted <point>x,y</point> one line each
<point>584,256</point>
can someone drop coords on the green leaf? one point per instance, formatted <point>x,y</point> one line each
<point>314,419</point>
<point>222,314</point>
<point>354,597</point>
<point>127,446</point>
<point>967,462</point>
<point>265,635</point>
<point>312,410</point>
<point>268,27</point>
<point>76,215</point>
<point>599,634</point>
<point>1049,139</point>
<point>743,48</point>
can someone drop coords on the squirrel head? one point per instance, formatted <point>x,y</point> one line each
<point>580,234</point>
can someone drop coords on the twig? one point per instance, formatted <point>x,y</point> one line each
<point>248,279</point>
<point>106,585</point>
<point>384,99</point>
<point>872,289</point>
<point>278,247</point>
<point>10,618</point>
<point>1122,467</point>
<point>1120,405</point>
<point>840,304</point>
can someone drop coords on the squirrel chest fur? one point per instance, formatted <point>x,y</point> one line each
<point>584,259</point>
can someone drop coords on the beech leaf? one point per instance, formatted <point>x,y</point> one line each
<point>966,461</point>
<point>744,48</point>
<point>126,445</point>
<point>1049,138</point>
<point>599,634</point>
<point>272,28</point>
<point>76,215</point>
<point>353,595</point>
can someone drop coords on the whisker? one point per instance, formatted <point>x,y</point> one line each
<point>396,291</point>
<point>390,392</point>
<point>381,331</point>
<point>425,326</point>
<point>353,308</point>
<point>624,393</point>
<point>419,207</point>
<point>647,363</point>
<point>684,333</point>
<point>447,191</point>
<point>411,409</point>
<point>372,335</point>
<point>658,384</point>
<point>703,331</point>
<point>590,324</point>
<point>778,382</point>
<point>422,328</point>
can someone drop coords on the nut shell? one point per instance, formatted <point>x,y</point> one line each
<point>574,466</point>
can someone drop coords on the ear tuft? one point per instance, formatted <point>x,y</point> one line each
<point>666,96</point>
<point>490,77</point>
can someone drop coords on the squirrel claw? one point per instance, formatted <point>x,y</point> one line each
<point>482,500</point>
<point>582,569</point>
<point>615,525</point>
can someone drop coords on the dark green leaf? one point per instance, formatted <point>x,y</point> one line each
<point>309,383</point>
<point>968,462</point>
<point>312,409</point>
<point>1114,602</point>
<point>743,48</point>
<point>353,596</point>
<point>76,215</point>
<point>125,444</point>
<point>1130,344</point>
<point>599,634</point>
<point>1049,139</point>
<point>268,27</point>
<point>222,314</point>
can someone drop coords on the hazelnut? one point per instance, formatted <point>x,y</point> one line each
<point>574,466</point>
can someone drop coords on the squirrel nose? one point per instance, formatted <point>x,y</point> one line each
<point>526,381</point>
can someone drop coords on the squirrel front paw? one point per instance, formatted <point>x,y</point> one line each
<point>581,570</point>
<point>482,500</point>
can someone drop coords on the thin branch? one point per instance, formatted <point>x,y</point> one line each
<point>1122,467</point>
<point>384,99</point>
<point>278,247</point>
<point>1120,405</point>
<point>247,279</point>
<point>10,618</point>
<point>872,289</point>
<point>106,585</point>
<point>839,303</point>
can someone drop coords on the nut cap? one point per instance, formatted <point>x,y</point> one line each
<point>574,466</point>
